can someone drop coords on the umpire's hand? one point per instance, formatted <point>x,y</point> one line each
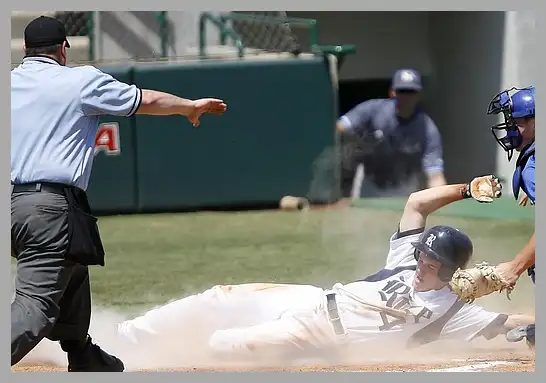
<point>206,105</point>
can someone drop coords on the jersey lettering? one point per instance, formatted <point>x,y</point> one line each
<point>107,139</point>
<point>395,294</point>
<point>424,313</point>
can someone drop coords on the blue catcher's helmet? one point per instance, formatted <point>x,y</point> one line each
<point>520,104</point>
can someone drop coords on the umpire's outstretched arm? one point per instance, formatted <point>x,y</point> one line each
<point>159,103</point>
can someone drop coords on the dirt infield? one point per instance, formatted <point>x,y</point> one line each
<point>502,360</point>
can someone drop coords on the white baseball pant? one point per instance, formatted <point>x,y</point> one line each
<point>239,320</point>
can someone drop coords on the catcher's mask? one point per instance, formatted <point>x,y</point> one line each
<point>447,245</point>
<point>520,104</point>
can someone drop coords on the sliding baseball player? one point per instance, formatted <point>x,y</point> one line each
<point>409,302</point>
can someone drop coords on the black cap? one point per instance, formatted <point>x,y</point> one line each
<point>45,31</point>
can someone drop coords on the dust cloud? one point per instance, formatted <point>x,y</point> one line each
<point>150,354</point>
<point>189,350</point>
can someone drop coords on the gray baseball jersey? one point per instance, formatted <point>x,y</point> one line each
<point>394,151</point>
<point>55,113</point>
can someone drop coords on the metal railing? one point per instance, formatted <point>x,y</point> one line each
<point>292,21</point>
<point>91,34</point>
<point>163,22</point>
<point>223,23</point>
<point>225,30</point>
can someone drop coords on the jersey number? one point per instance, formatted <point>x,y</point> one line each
<point>395,294</point>
<point>107,139</point>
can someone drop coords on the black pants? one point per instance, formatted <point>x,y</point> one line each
<point>52,294</point>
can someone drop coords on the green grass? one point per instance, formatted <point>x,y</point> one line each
<point>502,208</point>
<point>154,258</point>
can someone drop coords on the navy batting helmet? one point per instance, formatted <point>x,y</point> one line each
<point>447,245</point>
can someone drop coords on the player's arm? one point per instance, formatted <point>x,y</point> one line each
<point>502,324</point>
<point>526,257</point>
<point>354,122</point>
<point>433,160</point>
<point>102,94</point>
<point>412,224</point>
<point>472,321</point>
<point>163,104</point>
<point>422,203</point>
<point>512,270</point>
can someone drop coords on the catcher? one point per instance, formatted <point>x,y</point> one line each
<point>517,132</point>
<point>410,302</point>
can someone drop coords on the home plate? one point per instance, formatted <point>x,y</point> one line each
<point>472,367</point>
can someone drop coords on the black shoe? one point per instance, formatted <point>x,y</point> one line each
<point>93,359</point>
<point>518,333</point>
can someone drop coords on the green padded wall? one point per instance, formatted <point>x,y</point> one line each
<point>112,187</point>
<point>281,117</point>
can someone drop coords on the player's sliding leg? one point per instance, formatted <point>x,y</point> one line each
<point>196,317</point>
<point>295,334</point>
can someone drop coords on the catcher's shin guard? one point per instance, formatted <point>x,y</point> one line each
<point>518,333</point>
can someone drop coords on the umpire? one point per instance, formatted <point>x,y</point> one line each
<point>55,113</point>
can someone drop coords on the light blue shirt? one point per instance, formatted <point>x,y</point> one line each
<point>55,113</point>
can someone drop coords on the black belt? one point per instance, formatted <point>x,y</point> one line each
<point>333,313</point>
<point>37,187</point>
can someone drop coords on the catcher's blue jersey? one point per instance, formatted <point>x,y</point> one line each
<point>524,179</point>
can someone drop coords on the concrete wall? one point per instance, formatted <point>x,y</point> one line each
<point>385,40</point>
<point>124,35</point>
<point>467,66</point>
<point>520,64</point>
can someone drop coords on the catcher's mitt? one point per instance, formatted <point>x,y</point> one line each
<point>477,282</point>
<point>483,189</point>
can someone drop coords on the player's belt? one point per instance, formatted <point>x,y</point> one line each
<point>333,313</point>
<point>36,187</point>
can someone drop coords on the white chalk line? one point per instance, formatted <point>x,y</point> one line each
<point>472,367</point>
<point>467,368</point>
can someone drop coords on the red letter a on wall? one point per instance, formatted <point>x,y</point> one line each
<point>107,139</point>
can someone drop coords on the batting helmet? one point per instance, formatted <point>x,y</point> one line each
<point>520,104</point>
<point>447,245</point>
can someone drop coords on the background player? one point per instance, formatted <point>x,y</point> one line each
<point>397,142</point>
<point>517,132</point>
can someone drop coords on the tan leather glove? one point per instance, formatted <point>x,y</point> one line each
<point>483,189</point>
